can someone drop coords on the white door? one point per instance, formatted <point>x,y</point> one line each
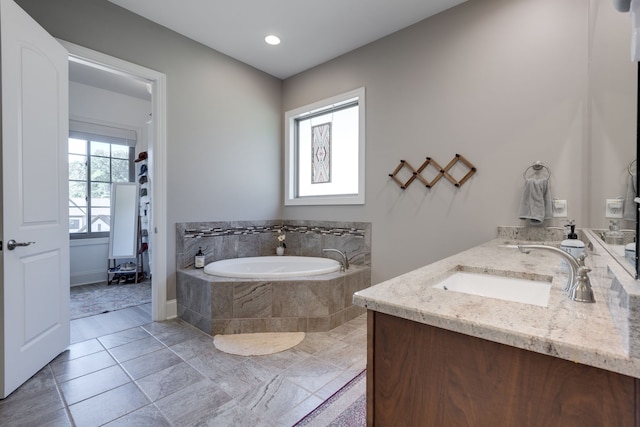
<point>34,278</point>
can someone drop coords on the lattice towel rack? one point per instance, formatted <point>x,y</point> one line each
<point>443,172</point>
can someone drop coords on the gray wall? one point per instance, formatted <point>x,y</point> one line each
<point>223,117</point>
<point>502,82</point>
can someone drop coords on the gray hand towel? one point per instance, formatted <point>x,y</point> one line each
<point>629,207</point>
<point>535,205</point>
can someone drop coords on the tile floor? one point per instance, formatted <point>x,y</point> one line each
<point>123,370</point>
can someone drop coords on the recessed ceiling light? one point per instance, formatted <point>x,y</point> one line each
<point>272,40</point>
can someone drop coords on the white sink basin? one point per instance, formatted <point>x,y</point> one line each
<point>535,292</point>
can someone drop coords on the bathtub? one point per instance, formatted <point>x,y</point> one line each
<point>311,301</point>
<point>272,267</point>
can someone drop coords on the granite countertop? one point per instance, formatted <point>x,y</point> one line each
<point>580,332</point>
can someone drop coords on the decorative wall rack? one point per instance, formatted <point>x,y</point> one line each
<point>442,172</point>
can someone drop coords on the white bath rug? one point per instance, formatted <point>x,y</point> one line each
<point>258,344</point>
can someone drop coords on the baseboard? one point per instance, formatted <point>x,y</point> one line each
<point>171,309</point>
<point>88,277</point>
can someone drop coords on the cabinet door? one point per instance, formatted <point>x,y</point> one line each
<point>427,376</point>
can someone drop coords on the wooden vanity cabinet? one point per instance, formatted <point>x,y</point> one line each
<point>420,375</point>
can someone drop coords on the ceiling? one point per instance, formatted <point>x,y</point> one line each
<point>312,31</point>
<point>98,77</point>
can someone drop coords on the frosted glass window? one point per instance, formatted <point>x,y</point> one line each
<point>325,152</point>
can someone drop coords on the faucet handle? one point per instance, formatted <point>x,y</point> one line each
<point>581,259</point>
<point>582,272</point>
<point>581,290</point>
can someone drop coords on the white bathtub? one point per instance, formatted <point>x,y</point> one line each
<point>272,267</point>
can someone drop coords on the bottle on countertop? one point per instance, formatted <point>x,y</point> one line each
<point>571,245</point>
<point>613,236</point>
<point>199,262</point>
<point>630,253</point>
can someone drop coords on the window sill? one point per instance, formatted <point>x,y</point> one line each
<point>325,200</point>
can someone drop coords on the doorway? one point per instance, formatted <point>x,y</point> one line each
<point>119,73</point>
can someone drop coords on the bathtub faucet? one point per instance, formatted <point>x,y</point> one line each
<point>344,264</point>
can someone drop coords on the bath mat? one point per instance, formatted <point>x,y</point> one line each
<point>258,344</point>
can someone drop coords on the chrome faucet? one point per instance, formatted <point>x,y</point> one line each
<point>344,264</point>
<point>579,285</point>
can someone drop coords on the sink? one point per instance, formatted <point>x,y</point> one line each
<point>526,291</point>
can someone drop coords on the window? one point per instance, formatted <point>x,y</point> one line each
<point>325,151</point>
<point>96,161</point>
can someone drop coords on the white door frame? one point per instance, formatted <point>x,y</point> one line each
<point>157,153</point>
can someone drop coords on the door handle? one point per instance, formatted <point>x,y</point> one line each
<point>12,244</point>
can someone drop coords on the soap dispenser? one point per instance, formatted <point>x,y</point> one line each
<point>199,261</point>
<point>571,245</point>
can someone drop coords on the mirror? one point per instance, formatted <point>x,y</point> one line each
<point>613,93</point>
<point>123,233</point>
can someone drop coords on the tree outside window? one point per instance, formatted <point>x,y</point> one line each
<point>93,167</point>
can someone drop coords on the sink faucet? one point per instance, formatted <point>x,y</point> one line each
<point>344,264</point>
<point>579,285</point>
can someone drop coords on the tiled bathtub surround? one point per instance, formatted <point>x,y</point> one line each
<point>306,304</point>
<point>220,305</point>
<point>239,239</point>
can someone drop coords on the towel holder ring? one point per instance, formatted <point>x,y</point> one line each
<point>631,166</point>
<point>537,166</point>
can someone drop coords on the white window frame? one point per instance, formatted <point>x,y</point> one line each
<point>89,132</point>
<point>291,197</point>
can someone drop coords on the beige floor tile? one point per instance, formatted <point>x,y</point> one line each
<point>80,349</point>
<point>231,414</point>
<point>108,406</point>
<point>92,384</point>
<point>146,416</point>
<point>27,408</point>
<point>65,371</point>
<point>150,363</point>
<point>200,344</point>
<point>273,398</point>
<point>136,349</point>
<point>123,337</point>
<point>298,412</point>
<point>191,382</point>
<point>168,381</point>
<point>312,373</point>
<point>194,403</point>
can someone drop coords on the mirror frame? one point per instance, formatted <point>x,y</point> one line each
<point>123,233</point>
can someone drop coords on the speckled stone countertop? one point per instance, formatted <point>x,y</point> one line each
<point>579,332</point>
